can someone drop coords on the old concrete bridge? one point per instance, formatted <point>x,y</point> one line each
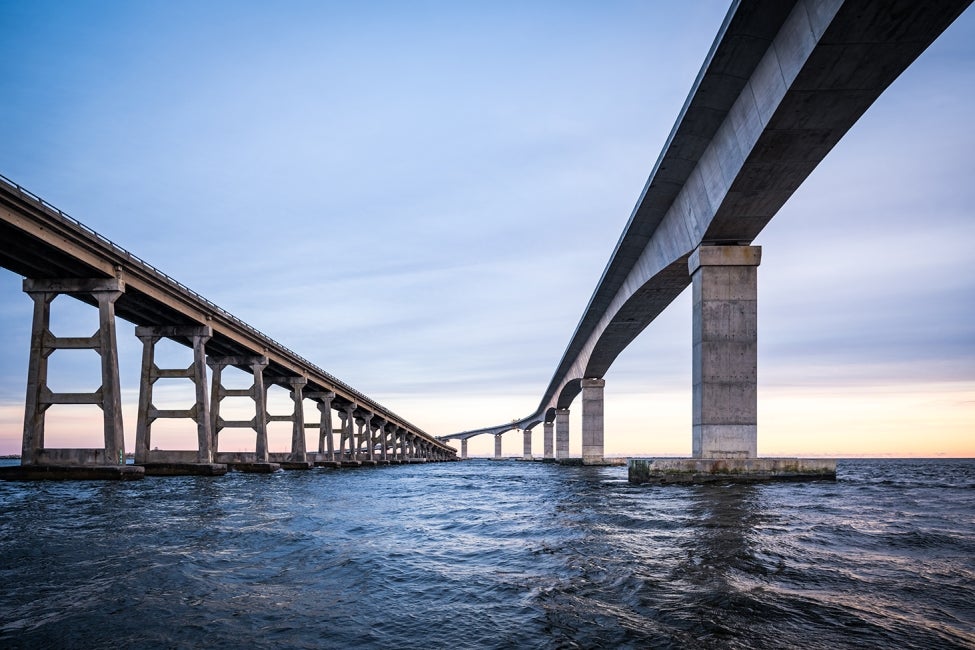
<point>783,82</point>
<point>59,255</point>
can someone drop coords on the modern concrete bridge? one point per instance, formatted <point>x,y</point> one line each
<point>59,255</point>
<point>783,82</point>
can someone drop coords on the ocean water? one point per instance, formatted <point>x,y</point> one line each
<point>483,554</point>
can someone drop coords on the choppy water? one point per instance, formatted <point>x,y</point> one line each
<point>491,555</point>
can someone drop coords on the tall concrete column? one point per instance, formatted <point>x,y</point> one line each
<point>384,441</point>
<point>365,436</point>
<point>549,447</point>
<point>725,354</point>
<point>497,445</point>
<point>348,437</point>
<point>592,421</point>
<point>111,385</point>
<point>298,448</point>
<point>35,406</point>
<point>562,433</point>
<point>260,419</point>
<point>463,448</point>
<point>527,447</point>
<point>326,445</point>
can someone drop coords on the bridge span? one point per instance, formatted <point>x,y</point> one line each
<point>59,255</point>
<point>783,82</point>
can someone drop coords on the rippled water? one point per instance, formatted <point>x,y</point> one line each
<point>491,555</point>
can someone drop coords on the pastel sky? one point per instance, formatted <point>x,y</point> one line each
<point>420,197</point>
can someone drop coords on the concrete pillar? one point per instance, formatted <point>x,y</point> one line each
<point>725,353</point>
<point>383,441</point>
<point>344,417</point>
<point>39,397</point>
<point>196,372</point>
<point>463,448</point>
<point>497,445</point>
<point>549,447</point>
<point>592,421</point>
<point>365,437</point>
<point>527,447</point>
<point>562,433</point>
<point>298,448</point>
<point>326,445</point>
<point>348,435</point>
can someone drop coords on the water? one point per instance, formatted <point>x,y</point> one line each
<point>491,555</point>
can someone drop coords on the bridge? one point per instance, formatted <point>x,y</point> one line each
<point>781,85</point>
<point>57,255</point>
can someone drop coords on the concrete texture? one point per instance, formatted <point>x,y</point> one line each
<point>592,421</point>
<point>72,473</point>
<point>549,442</point>
<point>527,446</point>
<point>562,433</point>
<point>734,470</point>
<point>184,469</point>
<point>725,351</point>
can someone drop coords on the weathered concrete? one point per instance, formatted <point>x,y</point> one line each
<point>72,473</point>
<point>734,470</point>
<point>463,448</point>
<point>256,392</point>
<point>549,446</point>
<point>725,351</point>
<point>147,413</point>
<point>527,446</point>
<point>105,293</point>
<point>184,469</point>
<point>592,421</point>
<point>497,446</point>
<point>254,468</point>
<point>562,433</point>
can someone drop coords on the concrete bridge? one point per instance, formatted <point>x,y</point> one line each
<point>59,255</point>
<point>783,82</point>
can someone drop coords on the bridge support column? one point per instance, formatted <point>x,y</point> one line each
<point>38,461</point>
<point>725,338</point>
<point>326,445</point>
<point>463,448</point>
<point>258,461</point>
<point>527,450</point>
<point>562,433</point>
<point>297,458</point>
<point>175,462</point>
<point>592,421</point>
<point>497,446</point>
<point>548,446</point>
<point>348,436</point>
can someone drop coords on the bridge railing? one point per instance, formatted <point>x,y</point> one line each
<point>176,284</point>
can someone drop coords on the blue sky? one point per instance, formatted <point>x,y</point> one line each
<point>420,197</point>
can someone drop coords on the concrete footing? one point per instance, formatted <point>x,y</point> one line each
<point>291,464</point>
<point>729,470</point>
<point>72,473</point>
<point>185,469</point>
<point>254,468</point>
<point>327,463</point>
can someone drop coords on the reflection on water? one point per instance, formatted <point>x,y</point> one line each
<point>484,554</point>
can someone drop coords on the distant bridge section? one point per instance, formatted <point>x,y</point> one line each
<point>59,255</point>
<point>781,85</point>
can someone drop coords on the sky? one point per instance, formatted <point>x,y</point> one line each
<point>421,197</point>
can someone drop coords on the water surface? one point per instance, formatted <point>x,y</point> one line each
<point>485,554</point>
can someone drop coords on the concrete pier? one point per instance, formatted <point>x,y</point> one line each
<point>729,470</point>
<point>37,460</point>
<point>497,446</point>
<point>592,421</point>
<point>527,446</point>
<point>549,447</point>
<point>562,434</point>
<point>164,462</point>
<point>463,448</point>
